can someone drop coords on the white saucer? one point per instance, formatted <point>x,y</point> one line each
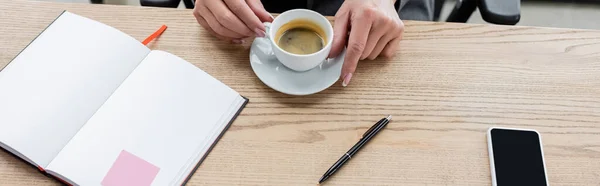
<point>277,76</point>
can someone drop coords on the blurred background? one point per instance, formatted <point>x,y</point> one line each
<point>583,14</point>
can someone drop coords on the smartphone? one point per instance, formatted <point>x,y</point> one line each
<point>516,157</point>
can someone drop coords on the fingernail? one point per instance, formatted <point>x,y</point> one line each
<point>272,17</point>
<point>346,79</point>
<point>238,41</point>
<point>259,33</point>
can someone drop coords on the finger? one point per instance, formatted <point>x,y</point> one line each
<point>340,33</point>
<point>378,30</point>
<point>259,10</point>
<point>241,9</point>
<point>392,47</point>
<point>380,46</point>
<point>204,24</point>
<point>224,15</point>
<point>356,45</point>
<point>215,25</point>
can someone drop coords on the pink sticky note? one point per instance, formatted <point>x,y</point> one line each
<point>130,170</point>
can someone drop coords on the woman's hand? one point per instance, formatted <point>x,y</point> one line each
<point>370,28</point>
<point>232,20</point>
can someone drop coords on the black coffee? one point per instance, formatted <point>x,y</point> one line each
<point>300,37</point>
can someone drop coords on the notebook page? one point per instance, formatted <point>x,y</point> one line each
<point>160,116</point>
<point>196,159</point>
<point>59,81</point>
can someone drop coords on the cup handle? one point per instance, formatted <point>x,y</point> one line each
<point>267,29</point>
<point>268,37</point>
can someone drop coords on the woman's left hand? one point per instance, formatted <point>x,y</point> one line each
<point>370,28</point>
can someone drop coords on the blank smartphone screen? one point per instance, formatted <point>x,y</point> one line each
<point>517,158</point>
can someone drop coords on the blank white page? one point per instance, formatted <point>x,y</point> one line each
<point>59,81</point>
<point>164,113</point>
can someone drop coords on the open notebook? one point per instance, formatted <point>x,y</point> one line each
<point>91,105</point>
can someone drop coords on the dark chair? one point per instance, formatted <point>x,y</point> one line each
<point>505,12</point>
<point>167,3</point>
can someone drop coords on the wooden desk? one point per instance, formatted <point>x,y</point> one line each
<point>447,85</point>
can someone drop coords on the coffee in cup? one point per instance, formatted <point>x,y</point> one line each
<point>301,37</point>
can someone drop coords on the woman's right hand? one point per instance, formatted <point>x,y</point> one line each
<point>232,20</point>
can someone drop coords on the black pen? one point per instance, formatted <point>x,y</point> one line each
<point>365,138</point>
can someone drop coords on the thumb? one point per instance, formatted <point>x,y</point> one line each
<point>340,34</point>
<point>258,9</point>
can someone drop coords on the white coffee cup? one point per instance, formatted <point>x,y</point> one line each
<point>300,62</point>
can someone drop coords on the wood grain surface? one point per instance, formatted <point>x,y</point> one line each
<point>446,86</point>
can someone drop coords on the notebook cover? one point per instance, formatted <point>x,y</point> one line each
<point>216,141</point>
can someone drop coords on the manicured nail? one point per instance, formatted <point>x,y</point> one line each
<point>238,41</point>
<point>346,79</point>
<point>259,33</point>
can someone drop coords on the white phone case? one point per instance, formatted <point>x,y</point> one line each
<point>491,152</point>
